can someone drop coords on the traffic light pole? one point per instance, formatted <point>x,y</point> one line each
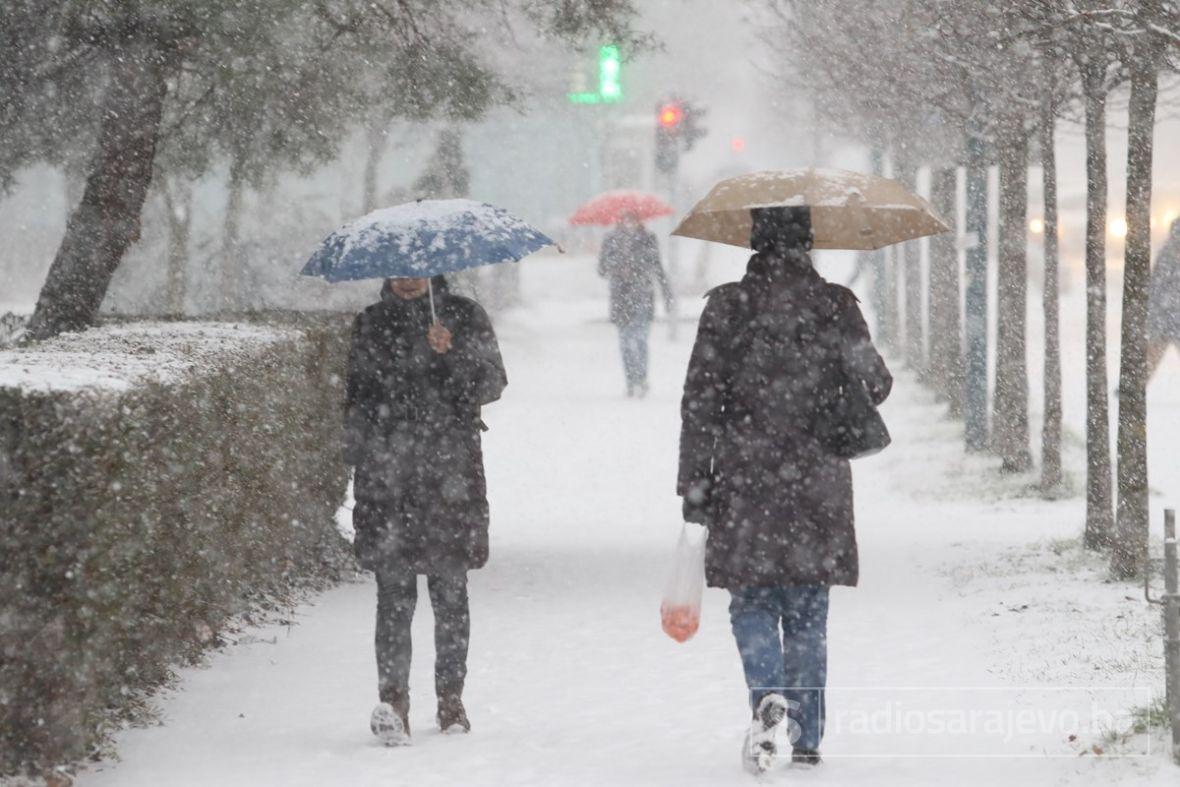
<point>671,188</point>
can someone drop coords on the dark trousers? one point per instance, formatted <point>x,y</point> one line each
<point>633,343</point>
<point>397,595</point>
<point>782,636</point>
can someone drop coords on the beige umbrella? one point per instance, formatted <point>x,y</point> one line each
<point>849,210</point>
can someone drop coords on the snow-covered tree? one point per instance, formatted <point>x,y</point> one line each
<point>248,83</point>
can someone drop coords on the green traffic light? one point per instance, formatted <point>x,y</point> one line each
<point>609,71</point>
<point>610,86</point>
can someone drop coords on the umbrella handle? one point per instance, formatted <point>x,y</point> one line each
<point>430,289</point>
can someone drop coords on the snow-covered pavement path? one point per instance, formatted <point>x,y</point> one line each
<point>571,679</point>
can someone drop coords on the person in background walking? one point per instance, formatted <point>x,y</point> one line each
<point>1163,323</point>
<point>630,261</point>
<point>412,430</point>
<point>777,504</point>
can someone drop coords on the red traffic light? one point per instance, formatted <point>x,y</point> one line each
<point>670,115</point>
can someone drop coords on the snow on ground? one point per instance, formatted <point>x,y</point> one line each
<point>118,357</point>
<point>974,609</point>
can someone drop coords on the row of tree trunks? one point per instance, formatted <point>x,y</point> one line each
<point>1010,430</point>
<point>107,219</point>
<point>1131,527</point>
<point>945,361</point>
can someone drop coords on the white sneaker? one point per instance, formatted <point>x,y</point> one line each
<point>759,749</point>
<point>388,726</point>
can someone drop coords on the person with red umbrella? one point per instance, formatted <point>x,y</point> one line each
<point>630,262</point>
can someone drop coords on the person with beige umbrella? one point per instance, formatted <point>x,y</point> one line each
<point>781,392</point>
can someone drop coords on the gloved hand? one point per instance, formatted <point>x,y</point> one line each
<point>697,505</point>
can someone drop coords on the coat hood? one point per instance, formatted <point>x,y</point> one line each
<point>781,229</point>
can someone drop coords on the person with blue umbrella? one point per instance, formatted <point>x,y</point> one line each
<point>422,364</point>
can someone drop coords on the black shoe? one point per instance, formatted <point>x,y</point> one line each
<point>807,758</point>
<point>452,716</point>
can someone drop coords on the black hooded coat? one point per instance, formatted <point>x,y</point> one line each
<point>778,506</point>
<point>412,429</point>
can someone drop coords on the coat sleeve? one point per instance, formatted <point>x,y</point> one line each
<point>860,356</point>
<point>475,366</point>
<point>658,269</point>
<point>705,388</point>
<point>604,253</point>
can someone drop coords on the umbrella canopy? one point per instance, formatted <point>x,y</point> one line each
<point>610,206</point>
<point>849,210</point>
<point>424,238</point>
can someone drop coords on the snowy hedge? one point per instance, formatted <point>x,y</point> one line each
<point>154,480</point>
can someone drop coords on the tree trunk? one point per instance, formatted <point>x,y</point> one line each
<point>1010,415</point>
<point>106,221</point>
<point>888,318</point>
<point>975,330</point>
<point>1130,539</point>
<point>178,207</point>
<point>231,250</point>
<point>878,272</point>
<point>1099,522</point>
<point>376,138</point>
<point>1051,428</point>
<point>946,349</point>
<point>909,256</point>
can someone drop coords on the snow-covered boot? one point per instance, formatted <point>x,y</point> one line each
<point>758,750</point>
<point>452,716</point>
<point>805,758</point>
<point>390,720</point>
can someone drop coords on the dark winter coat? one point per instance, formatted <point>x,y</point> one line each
<point>630,261</point>
<point>1164,320</point>
<point>778,506</point>
<point>412,428</point>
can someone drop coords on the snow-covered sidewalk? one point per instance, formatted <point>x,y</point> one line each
<point>573,682</point>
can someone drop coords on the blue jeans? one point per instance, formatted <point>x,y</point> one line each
<point>633,342</point>
<point>792,661</point>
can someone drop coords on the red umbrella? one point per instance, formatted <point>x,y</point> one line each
<point>608,207</point>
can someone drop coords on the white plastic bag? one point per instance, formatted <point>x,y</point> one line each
<point>680,611</point>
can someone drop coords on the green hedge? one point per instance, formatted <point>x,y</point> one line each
<point>134,525</point>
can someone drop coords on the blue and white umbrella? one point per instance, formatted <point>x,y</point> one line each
<point>423,239</point>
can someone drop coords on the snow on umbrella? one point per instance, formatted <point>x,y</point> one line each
<point>423,239</point>
<point>849,210</point>
<point>610,206</point>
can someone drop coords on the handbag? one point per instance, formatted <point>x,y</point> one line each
<point>845,422</point>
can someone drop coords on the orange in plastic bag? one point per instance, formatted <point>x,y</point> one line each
<point>680,621</point>
<point>680,611</point>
